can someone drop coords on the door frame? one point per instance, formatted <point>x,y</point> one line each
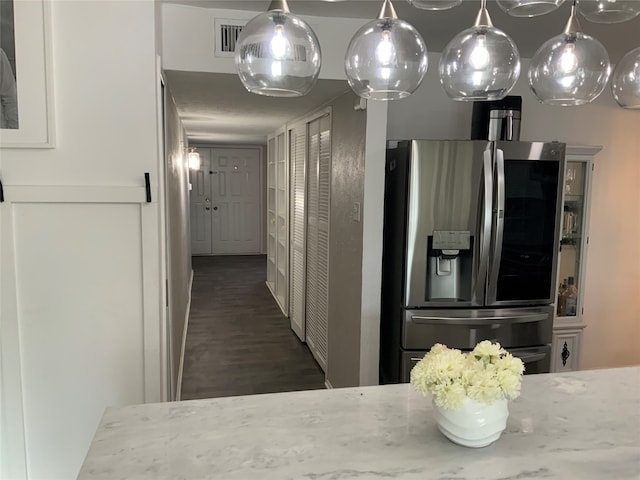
<point>262,200</point>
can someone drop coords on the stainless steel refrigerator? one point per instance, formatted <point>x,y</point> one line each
<point>471,240</point>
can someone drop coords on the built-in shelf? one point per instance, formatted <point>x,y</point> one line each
<point>568,329</point>
<point>277,207</point>
<point>573,240</point>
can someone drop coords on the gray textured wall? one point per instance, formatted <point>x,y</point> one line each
<point>345,256</point>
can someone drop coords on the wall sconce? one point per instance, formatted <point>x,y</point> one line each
<point>193,159</point>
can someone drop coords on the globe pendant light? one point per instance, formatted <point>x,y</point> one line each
<point>625,81</point>
<point>387,58</point>
<point>480,63</point>
<point>277,54</point>
<point>609,11</point>
<point>529,8</point>
<point>569,69</point>
<point>434,4</point>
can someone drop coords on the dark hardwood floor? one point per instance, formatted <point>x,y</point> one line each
<point>238,342</point>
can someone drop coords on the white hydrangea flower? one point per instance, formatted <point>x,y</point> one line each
<point>486,374</point>
<point>488,350</point>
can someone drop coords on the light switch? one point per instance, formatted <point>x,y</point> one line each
<point>355,212</point>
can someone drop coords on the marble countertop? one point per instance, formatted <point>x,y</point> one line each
<point>580,425</point>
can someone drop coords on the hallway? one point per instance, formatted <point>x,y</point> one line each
<point>238,342</point>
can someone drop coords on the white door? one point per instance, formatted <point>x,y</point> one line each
<point>200,201</point>
<point>235,201</point>
<point>317,238</point>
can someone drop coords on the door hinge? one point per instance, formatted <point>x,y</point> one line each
<point>582,311</point>
<point>166,292</point>
<point>593,166</point>
<point>587,240</point>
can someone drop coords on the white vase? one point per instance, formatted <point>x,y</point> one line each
<point>474,424</point>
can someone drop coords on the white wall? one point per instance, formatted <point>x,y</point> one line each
<point>429,113</point>
<point>612,305</point>
<point>178,237</point>
<point>374,172</point>
<point>81,298</point>
<point>188,39</point>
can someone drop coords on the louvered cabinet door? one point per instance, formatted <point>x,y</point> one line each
<point>317,238</point>
<point>312,239</point>
<point>297,162</point>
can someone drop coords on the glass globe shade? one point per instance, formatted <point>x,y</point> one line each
<point>609,11</point>
<point>529,8</point>
<point>625,81</point>
<point>386,60</point>
<point>434,4</point>
<point>278,55</point>
<point>569,69</point>
<point>193,160</point>
<point>480,63</point>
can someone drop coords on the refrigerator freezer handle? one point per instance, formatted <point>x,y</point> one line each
<point>485,226</point>
<point>530,357</point>
<point>498,228</point>
<point>481,321</point>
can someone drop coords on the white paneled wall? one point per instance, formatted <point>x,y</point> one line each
<point>82,278</point>
<point>80,322</point>
<point>78,329</point>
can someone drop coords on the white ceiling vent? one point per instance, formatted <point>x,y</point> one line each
<point>227,32</point>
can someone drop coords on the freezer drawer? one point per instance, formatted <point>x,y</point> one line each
<point>463,329</point>
<point>535,359</point>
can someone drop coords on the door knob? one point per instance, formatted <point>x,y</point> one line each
<point>207,204</point>
<point>215,208</point>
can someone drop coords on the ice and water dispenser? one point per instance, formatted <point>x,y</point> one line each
<point>449,266</point>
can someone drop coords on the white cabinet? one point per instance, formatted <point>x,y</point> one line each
<point>566,350</point>
<point>277,219</point>
<point>568,323</point>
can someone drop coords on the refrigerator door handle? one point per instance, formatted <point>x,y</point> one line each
<point>482,321</point>
<point>485,227</point>
<point>498,228</point>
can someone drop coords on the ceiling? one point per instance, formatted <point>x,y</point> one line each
<point>216,108</point>
<point>229,114</point>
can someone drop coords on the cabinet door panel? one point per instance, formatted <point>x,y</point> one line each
<point>566,350</point>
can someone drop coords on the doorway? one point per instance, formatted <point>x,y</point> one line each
<point>226,201</point>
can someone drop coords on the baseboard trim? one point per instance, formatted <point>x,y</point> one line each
<point>184,341</point>
<point>327,383</point>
